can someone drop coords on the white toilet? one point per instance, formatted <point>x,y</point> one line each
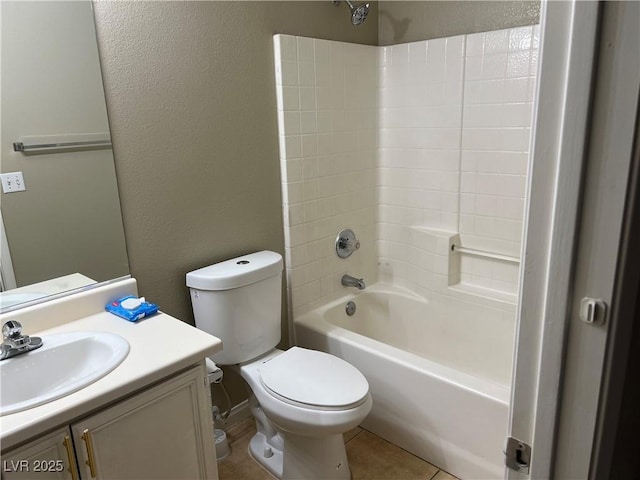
<point>302,400</point>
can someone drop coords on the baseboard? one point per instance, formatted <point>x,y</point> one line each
<point>238,413</point>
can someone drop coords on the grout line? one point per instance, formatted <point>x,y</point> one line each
<point>361,429</point>
<point>464,76</point>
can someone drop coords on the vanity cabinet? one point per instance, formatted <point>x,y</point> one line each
<point>164,432</point>
<point>48,458</point>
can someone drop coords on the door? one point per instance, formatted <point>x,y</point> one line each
<point>48,458</point>
<point>158,434</point>
<point>581,158</point>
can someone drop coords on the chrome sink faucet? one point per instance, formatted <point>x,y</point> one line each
<point>349,281</point>
<point>14,343</point>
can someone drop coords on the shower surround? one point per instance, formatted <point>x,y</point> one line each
<point>416,147</point>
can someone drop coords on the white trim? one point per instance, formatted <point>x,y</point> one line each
<point>238,413</point>
<point>569,32</point>
<point>7,275</point>
<point>611,144</point>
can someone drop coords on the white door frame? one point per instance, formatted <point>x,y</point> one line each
<point>606,179</point>
<point>569,33</point>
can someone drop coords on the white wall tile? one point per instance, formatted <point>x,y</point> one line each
<point>290,146</point>
<point>325,166</point>
<point>417,53</point>
<point>321,51</point>
<point>379,139</point>
<point>288,48</point>
<point>436,53</point>
<point>475,44</point>
<point>519,63</point>
<point>455,47</point>
<point>496,41</point>
<point>287,73</point>
<point>307,100</point>
<point>496,129</point>
<point>306,74</point>
<point>289,99</point>
<point>400,53</point>
<point>308,123</point>
<point>520,38</point>
<point>305,49</point>
<point>309,145</point>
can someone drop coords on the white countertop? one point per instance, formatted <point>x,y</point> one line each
<point>159,346</point>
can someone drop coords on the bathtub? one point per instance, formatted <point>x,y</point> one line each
<point>439,372</point>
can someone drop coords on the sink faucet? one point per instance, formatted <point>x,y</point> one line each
<point>349,281</point>
<point>14,343</point>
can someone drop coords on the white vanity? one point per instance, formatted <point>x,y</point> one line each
<point>150,417</point>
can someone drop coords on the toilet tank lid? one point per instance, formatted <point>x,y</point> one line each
<point>236,272</point>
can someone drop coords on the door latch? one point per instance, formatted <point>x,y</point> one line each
<point>593,311</point>
<point>517,455</point>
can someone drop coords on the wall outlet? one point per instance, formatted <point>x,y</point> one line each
<point>12,182</point>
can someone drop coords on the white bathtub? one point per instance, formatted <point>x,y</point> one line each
<point>438,372</point>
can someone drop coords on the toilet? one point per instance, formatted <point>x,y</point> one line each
<point>302,400</point>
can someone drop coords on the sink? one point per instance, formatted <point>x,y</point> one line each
<point>9,299</point>
<point>66,363</point>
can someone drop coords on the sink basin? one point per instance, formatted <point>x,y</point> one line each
<point>9,299</point>
<point>64,364</point>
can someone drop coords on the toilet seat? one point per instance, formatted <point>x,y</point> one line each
<point>314,379</point>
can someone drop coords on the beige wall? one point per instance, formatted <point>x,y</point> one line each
<point>401,22</point>
<point>191,97</point>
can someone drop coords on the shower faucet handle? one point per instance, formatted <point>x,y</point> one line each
<point>346,243</point>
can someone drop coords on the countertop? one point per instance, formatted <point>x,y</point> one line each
<point>159,347</point>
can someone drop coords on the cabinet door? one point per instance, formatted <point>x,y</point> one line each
<point>48,458</point>
<point>165,432</point>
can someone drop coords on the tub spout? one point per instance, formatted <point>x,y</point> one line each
<point>349,281</point>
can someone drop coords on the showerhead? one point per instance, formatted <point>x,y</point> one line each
<point>358,12</point>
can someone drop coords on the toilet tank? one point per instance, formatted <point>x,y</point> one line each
<point>239,301</point>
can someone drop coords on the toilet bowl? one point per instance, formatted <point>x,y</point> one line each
<point>298,401</point>
<point>310,399</point>
<point>302,400</point>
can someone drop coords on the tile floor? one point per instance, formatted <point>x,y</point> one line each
<point>370,458</point>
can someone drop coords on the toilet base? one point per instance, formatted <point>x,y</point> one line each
<point>314,458</point>
<point>267,456</point>
<point>307,458</point>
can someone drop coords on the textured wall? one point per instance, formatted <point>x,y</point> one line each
<point>191,98</point>
<point>401,22</point>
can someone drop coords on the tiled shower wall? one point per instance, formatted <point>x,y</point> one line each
<point>409,145</point>
<point>500,69</point>
<point>420,118</point>
<point>327,114</point>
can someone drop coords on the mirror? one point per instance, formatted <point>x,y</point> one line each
<point>64,231</point>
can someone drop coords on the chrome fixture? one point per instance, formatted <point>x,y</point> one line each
<point>14,343</point>
<point>358,12</point>
<point>349,281</point>
<point>350,308</point>
<point>346,243</point>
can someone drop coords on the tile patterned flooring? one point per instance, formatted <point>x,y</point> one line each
<point>370,458</point>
